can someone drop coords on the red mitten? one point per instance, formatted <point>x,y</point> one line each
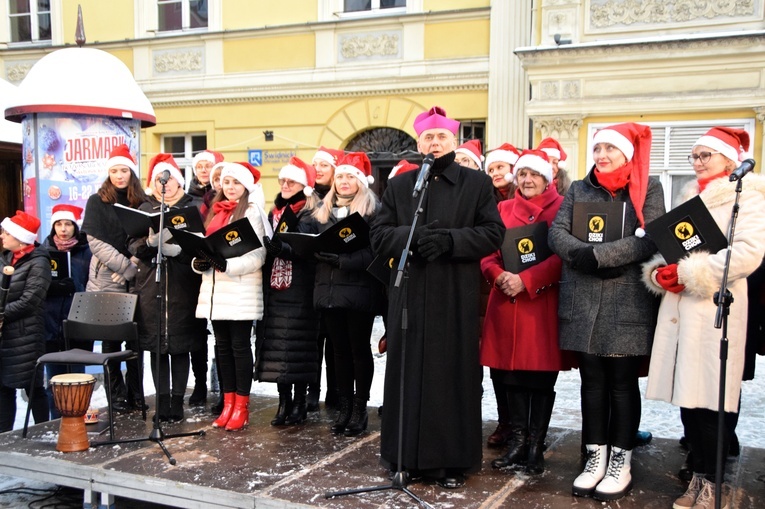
<point>667,277</point>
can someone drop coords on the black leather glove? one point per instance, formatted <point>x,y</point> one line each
<point>61,287</point>
<point>328,258</point>
<point>200,264</point>
<point>434,243</point>
<point>583,259</point>
<point>273,246</point>
<point>611,272</point>
<point>217,262</point>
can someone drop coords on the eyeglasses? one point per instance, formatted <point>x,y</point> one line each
<point>288,182</point>
<point>703,156</point>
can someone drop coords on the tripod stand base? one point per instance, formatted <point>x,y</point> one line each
<point>399,482</point>
<point>157,436</point>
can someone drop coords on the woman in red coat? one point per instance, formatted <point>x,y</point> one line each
<point>520,332</point>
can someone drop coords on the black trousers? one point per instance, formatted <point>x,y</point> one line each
<point>173,368</point>
<point>610,399</point>
<point>234,352</point>
<point>129,388</point>
<point>350,333</point>
<point>8,406</point>
<point>701,431</point>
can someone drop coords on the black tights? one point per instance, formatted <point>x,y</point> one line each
<point>175,366</point>
<point>350,333</point>
<point>610,399</point>
<point>8,407</point>
<point>701,431</point>
<point>234,352</point>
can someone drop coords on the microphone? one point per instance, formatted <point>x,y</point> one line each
<point>423,175</point>
<point>746,166</point>
<point>164,177</point>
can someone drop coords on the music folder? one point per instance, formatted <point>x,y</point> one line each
<point>347,235</point>
<point>686,228</point>
<point>137,222</point>
<point>60,264</point>
<point>524,247</point>
<point>235,239</point>
<point>598,222</point>
<point>288,222</point>
<point>381,267</point>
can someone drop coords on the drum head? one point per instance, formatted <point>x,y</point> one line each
<point>72,378</point>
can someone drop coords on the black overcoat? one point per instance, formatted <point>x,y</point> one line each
<point>442,398</point>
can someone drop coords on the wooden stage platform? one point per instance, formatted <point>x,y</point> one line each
<point>293,467</point>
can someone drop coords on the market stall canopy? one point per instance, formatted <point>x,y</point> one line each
<point>10,132</point>
<point>81,81</point>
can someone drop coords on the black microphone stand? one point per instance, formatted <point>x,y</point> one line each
<point>157,435</point>
<point>401,477</point>
<point>723,299</point>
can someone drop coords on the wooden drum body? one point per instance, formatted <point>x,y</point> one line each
<point>71,394</point>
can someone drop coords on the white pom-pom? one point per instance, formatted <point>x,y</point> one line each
<point>561,164</point>
<point>308,191</point>
<point>509,176</point>
<point>371,179</point>
<point>640,233</point>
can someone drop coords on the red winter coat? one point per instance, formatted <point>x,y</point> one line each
<point>523,335</point>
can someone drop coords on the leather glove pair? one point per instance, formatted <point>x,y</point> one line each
<point>273,246</point>
<point>667,278</point>
<point>583,259</point>
<point>200,265</point>
<point>434,243</point>
<point>328,258</point>
<point>154,239</point>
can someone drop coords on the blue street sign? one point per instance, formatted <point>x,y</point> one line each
<point>255,157</point>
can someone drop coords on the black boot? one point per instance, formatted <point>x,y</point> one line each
<point>198,395</point>
<point>359,418</point>
<point>285,405</point>
<point>500,435</point>
<point>343,415</point>
<point>199,368</point>
<point>176,408</point>
<point>163,408</point>
<point>298,414</point>
<point>312,400</point>
<point>518,448</point>
<point>539,421</point>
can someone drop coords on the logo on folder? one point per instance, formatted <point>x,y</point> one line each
<point>525,247</point>
<point>687,234</point>
<point>596,225</point>
<point>54,268</point>
<point>178,222</point>
<point>232,237</point>
<point>346,234</point>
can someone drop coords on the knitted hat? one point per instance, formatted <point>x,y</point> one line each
<point>731,142</point>
<point>207,155</point>
<point>66,212</point>
<point>402,166</point>
<point>634,140</point>
<point>535,160</point>
<point>552,148</point>
<point>245,173</point>
<point>300,171</point>
<point>358,165</point>
<point>472,149</point>
<point>505,153</point>
<point>328,155</point>
<point>121,155</point>
<point>162,162</point>
<point>23,227</point>
<point>435,118</point>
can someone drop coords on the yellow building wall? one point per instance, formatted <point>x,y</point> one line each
<point>125,55</point>
<point>238,14</point>
<point>269,53</point>
<point>449,5</point>
<point>119,13</point>
<point>456,39</point>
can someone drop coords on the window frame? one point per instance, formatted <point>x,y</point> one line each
<point>185,161</point>
<point>34,20</point>
<point>185,17</point>
<point>332,10</point>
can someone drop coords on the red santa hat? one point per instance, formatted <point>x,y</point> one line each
<point>245,173</point>
<point>472,149</point>
<point>121,155</point>
<point>505,153</point>
<point>402,166</point>
<point>535,160</point>
<point>435,118</point>
<point>358,165</point>
<point>328,155</point>
<point>207,155</point>
<point>66,212</point>
<point>552,148</point>
<point>162,162</point>
<point>731,142</point>
<point>301,172</point>
<point>634,141</point>
<point>23,227</point>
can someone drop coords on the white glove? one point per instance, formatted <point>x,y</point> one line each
<point>153,239</point>
<point>171,250</point>
<point>130,272</point>
<point>117,278</point>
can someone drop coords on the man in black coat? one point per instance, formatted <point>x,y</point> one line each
<point>442,386</point>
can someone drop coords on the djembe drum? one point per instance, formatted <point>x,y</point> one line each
<point>71,394</point>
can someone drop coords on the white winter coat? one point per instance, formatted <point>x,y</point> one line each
<point>236,294</point>
<point>685,361</point>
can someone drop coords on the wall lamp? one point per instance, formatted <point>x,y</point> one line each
<point>560,41</point>
<point>269,135</point>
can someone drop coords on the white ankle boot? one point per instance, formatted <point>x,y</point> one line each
<point>618,479</point>
<point>594,470</point>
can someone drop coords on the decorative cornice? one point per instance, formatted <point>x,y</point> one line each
<point>17,72</point>
<point>760,114</point>
<point>561,127</point>
<point>660,12</point>
<point>189,60</point>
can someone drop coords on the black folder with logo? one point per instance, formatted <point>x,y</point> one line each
<point>347,235</point>
<point>235,239</point>
<point>137,222</point>
<point>381,268</point>
<point>60,264</point>
<point>684,229</point>
<point>524,247</point>
<point>598,222</point>
<point>288,222</point>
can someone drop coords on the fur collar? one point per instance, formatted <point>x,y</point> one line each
<point>722,191</point>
